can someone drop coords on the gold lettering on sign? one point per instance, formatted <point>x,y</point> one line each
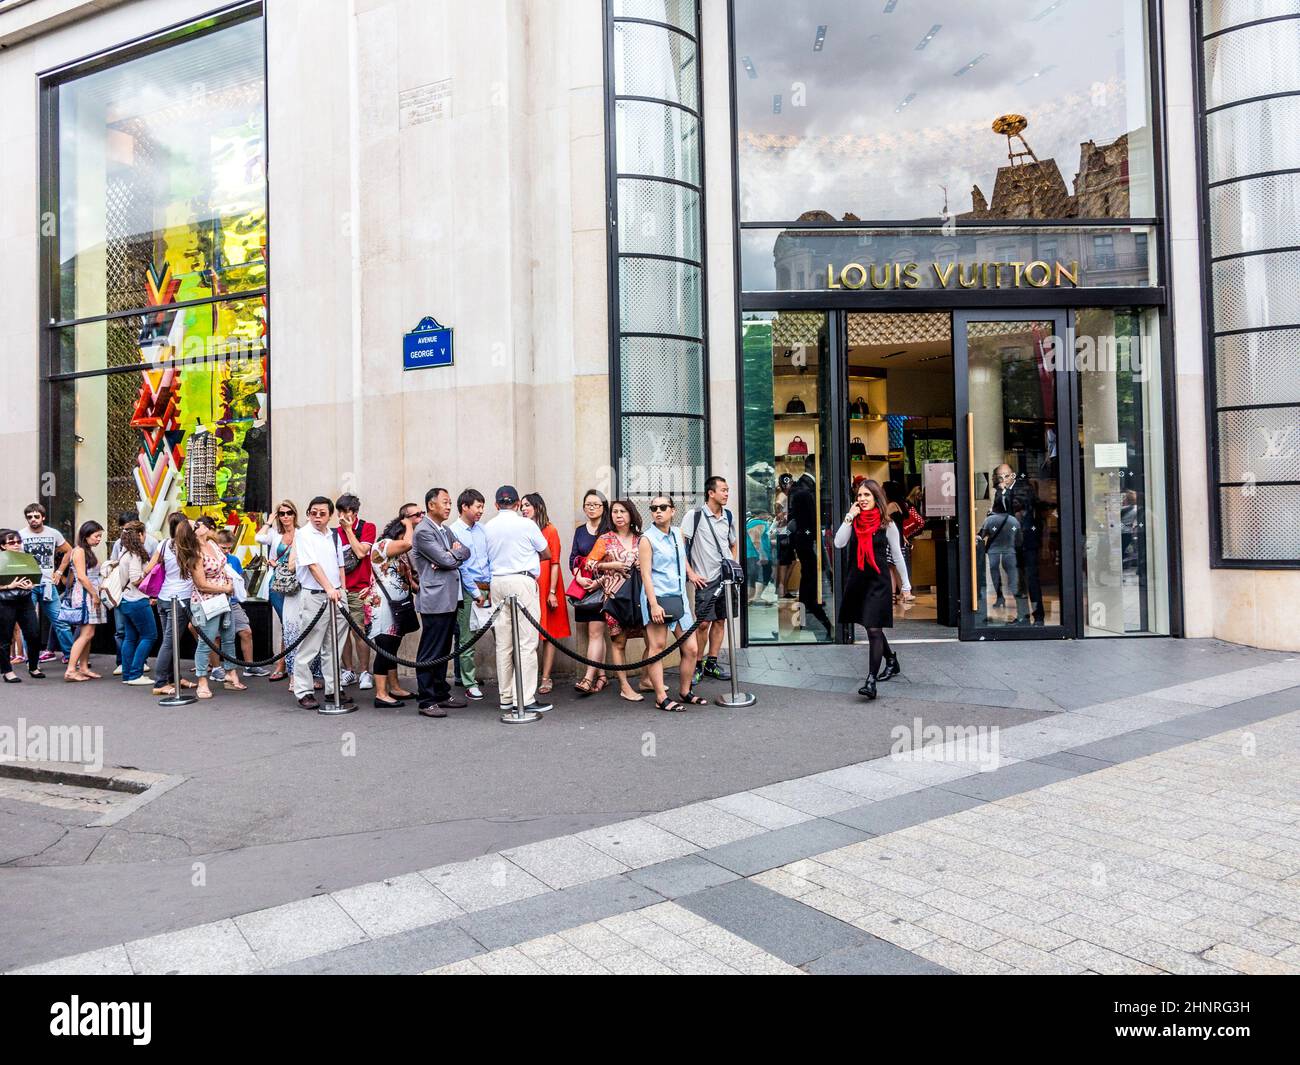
<point>1072,273</point>
<point>830,276</point>
<point>862,275</point>
<point>944,274</point>
<point>884,277</point>
<point>963,280</point>
<point>911,275</point>
<point>1046,275</point>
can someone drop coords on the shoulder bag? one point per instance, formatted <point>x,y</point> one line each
<point>404,611</point>
<point>284,577</point>
<point>152,584</point>
<point>913,523</point>
<point>674,606</point>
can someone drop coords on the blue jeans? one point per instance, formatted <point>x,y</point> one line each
<point>137,636</point>
<point>50,608</point>
<point>221,632</point>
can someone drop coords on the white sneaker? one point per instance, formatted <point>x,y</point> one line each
<point>217,674</point>
<point>769,594</point>
<point>365,682</point>
<point>140,682</point>
<point>117,672</point>
<point>347,677</point>
<point>473,692</point>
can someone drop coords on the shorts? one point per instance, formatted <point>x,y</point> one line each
<point>239,619</point>
<point>785,552</point>
<point>709,605</point>
<point>356,608</point>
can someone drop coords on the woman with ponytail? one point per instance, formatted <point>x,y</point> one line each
<point>868,595</point>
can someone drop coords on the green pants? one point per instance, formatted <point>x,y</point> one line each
<point>467,674</point>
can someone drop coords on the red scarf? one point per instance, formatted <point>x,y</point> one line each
<point>865,525</point>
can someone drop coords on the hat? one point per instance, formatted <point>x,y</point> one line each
<point>507,495</point>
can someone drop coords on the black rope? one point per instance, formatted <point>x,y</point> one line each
<point>189,618</point>
<point>610,667</point>
<point>454,653</point>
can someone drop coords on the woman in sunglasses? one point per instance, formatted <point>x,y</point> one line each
<point>17,608</point>
<point>868,594</point>
<point>278,535</point>
<point>665,576</point>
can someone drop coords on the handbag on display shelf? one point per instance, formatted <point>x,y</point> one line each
<point>857,449</point>
<point>797,447</point>
<point>795,406</point>
<point>913,523</point>
<point>859,408</point>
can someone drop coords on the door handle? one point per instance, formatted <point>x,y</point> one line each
<point>970,499</point>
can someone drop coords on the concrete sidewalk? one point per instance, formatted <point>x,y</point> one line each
<point>278,805</point>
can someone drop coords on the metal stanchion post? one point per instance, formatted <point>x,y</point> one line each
<point>337,707</point>
<point>736,698</point>
<point>518,716</point>
<point>179,698</point>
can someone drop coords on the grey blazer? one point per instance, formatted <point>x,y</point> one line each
<point>436,565</point>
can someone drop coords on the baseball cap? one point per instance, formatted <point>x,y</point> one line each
<point>507,495</point>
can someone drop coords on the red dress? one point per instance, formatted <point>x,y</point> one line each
<point>554,621</point>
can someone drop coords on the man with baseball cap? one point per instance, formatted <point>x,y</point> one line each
<point>515,548</point>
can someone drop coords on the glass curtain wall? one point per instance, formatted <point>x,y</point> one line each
<point>657,291</point>
<point>156,368</point>
<point>1250,98</point>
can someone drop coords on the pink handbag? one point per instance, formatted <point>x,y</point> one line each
<point>798,447</point>
<point>153,583</point>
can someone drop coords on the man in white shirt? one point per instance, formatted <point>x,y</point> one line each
<point>515,549</point>
<point>53,553</point>
<point>320,572</point>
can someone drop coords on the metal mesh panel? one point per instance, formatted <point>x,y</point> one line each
<point>121,444</point>
<point>1258,367</point>
<point>1253,61</point>
<point>662,374</point>
<point>658,218</point>
<point>1259,290</point>
<point>659,296</point>
<point>662,455</point>
<point>649,61</point>
<point>658,140</point>
<point>1255,137</point>
<point>679,13</point>
<point>1259,445</point>
<point>1260,523</point>
<point>1255,214</point>
<point>1220,14</point>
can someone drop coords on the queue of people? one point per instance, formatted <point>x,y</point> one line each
<point>429,570</point>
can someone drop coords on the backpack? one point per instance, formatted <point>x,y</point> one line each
<point>112,584</point>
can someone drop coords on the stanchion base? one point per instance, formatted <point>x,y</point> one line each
<point>739,699</point>
<point>525,718</point>
<point>326,708</point>
<point>178,700</point>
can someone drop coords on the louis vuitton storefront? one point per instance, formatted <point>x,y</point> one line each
<point>952,282</point>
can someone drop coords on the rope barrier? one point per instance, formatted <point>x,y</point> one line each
<point>189,619</point>
<point>610,667</point>
<point>455,652</point>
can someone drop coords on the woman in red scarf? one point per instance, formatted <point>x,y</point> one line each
<point>868,595</point>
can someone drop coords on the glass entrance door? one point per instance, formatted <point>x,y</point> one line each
<point>1013,415</point>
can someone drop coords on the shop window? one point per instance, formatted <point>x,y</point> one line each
<point>157,365</point>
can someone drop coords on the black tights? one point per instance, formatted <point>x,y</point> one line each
<point>879,648</point>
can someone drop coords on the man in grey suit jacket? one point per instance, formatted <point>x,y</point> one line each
<point>437,557</point>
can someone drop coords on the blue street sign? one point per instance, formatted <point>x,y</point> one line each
<point>428,344</point>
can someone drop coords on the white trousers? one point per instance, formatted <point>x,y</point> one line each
<point>524,588</point>
<point>316,643</point>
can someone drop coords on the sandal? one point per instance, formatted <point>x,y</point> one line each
<point>670,705</point>
<point>164,689</point>
<point>276,676</point>
<point>691,699</point>
<point>646,685</point>
<point>205,693</point>
<point>601,682</point>
<point>583,687</point>
<point>188,684</point>
<point>545,687</point>
<point>74,678</point>
<point>234,686</point>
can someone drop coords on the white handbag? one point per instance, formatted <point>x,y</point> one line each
<point>211,607</point>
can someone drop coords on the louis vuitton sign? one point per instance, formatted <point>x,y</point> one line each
<point>1036,274</point>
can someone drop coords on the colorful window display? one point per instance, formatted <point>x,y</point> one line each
<point>159,343</point>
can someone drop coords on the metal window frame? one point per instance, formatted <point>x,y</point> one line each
<point>1158,296</point>
<point>1209,335</point>
<point>57,399</point>
<point>615,255</point>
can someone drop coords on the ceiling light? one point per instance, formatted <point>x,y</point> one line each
<point>776,104</point>
<point>929,36</point>
<point>1047,10</point>
<point>889,7</point>
<point>894,354</point>
<point>1037,74</point>
<point>820,39</point>
<point>974,62</point>
<point>748,64</point>
<point>906,100</point>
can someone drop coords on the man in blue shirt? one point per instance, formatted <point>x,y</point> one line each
<point>475,576</point>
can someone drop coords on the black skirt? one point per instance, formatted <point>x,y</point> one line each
<point>868,595</point>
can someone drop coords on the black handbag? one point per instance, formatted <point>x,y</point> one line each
<point>857,449</point>
<point>859,408</point>
<point>624,606</point>
<point>590,607</point>
<point>795,406</point>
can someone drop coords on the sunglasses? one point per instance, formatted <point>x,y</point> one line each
<point>656,507</point>
<point>284,513</point>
